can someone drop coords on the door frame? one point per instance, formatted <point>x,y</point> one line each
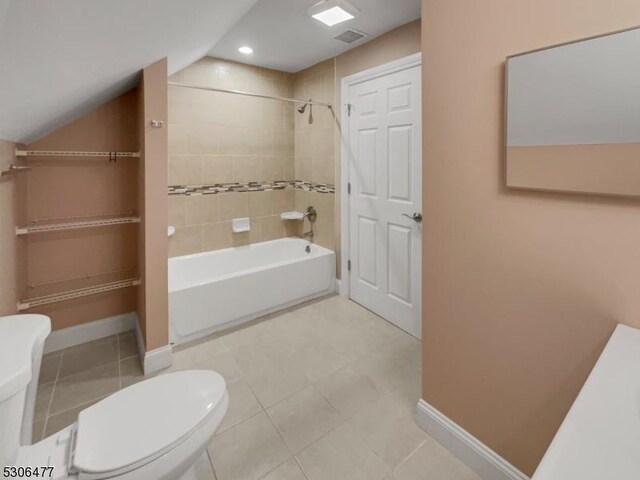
<point>395,66</point>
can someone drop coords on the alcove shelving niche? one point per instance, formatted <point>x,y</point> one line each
<point>79,227</point>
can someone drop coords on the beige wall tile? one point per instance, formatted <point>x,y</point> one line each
<point>177,212</point>
<point>233,141</point>
<point>246,169</point>
<point>324,205</point>
<point>324,234</point>
<point>271,168</point>
<point>261,203</point>
<point>283,142</point>
<point>205,139</point>
<point>217,236</point>
<point>186,240</point>
<point>185,170</point>
<point>233,205</point>
<point>304,165</point>
<point>217,169</point>
<point>283,201</point>
<point>289,168</point>
<point>201,209</point>
<point>259,141</point>
<point>323,169</point>
<point>178,138</point>
<point>272,228</point>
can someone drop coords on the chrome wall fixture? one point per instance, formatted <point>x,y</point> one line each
<point>13,169</point>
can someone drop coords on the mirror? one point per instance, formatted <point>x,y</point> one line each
<point>573,116</point>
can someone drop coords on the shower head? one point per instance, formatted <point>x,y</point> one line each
<point>302,108</point>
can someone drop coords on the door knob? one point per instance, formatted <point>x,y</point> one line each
<point>416,217</point>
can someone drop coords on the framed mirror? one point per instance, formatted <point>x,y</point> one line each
<point>573,116</point>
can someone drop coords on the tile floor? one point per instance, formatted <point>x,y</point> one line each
<point>323,391</point>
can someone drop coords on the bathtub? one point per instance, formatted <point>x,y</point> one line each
<point>214,290</point>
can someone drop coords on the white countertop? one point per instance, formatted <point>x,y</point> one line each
<point>599,438</point>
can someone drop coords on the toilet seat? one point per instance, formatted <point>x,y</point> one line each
<point>143,422</point>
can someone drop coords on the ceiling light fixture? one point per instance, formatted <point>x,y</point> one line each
<point>332,12</point>
<point>246,50</point>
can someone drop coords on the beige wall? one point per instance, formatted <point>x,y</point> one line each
<point>400,42</point>
<point>153,310</point>
<point>9,247</point>
<point>219,138</point>
<point>315,148</point>
<point>56,188</point>
<point>521,289</point>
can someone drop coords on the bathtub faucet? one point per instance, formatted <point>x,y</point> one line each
<point>307,235</point>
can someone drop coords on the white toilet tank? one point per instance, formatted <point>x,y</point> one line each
<point>21,344</point>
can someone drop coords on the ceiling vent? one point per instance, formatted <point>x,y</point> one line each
<point>350,36</point>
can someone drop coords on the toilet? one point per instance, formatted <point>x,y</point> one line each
<point>153,430</point>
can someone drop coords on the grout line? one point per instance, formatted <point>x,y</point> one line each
<point>53,391</point>
<point>213,470</point>
<point>393,470</point>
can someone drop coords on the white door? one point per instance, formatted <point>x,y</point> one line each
<point>385,168</point>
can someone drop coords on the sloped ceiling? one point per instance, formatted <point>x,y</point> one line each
<point>285,38</point>
<point>60,59</point>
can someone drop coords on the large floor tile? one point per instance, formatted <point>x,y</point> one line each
<point>432,460</point>
<point>127,345</point>
<point>243,404</point>
<point>388,427</point>
<point>130,372</point>
<point>203,469</point>
<point>303,418</point>
<point>89,355</point>
<point>185,356</point>
<point>57,422</point>
<point>349,389</point>
<point>273,376</point>
<point>84,387</point>
<point>222,363</point>
<point>246,334</point>
<point>247,451</point>
<point>49,368</point>
<point>43,400</point>
<point>341,454</point>
<point>38,431</point>
<point>289,470</point>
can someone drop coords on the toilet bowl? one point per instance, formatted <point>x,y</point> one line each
<point>153,430</point>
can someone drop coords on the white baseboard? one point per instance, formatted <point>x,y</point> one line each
<point>475,454</point>
<point>154,360</point>
<point>87,332</point>
<point>157,360</point>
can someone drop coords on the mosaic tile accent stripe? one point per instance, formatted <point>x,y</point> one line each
<point>250,187</point>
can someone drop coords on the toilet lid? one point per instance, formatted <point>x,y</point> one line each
<point>144,420</point>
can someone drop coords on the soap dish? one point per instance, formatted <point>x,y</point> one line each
<point>292,215</point>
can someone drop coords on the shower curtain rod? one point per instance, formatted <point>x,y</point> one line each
<point>249,94</point>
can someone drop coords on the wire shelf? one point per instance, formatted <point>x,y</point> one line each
<point>76,225</point>
<point>77,293</point>
<point>73,153</point>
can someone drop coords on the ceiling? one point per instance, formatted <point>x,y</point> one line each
<point>60,59</point>
<point>285,38</point>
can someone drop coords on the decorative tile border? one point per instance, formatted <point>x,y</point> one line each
<point>250,187</point>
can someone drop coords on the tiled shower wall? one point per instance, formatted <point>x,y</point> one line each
<point>314,146</point>
<point>220,138</point>
<point>238,147</point>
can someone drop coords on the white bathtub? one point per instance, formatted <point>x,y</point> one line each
<point>214,290</point>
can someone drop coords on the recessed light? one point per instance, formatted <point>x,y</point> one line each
<point>332,12</point>
<point>246,50</point>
